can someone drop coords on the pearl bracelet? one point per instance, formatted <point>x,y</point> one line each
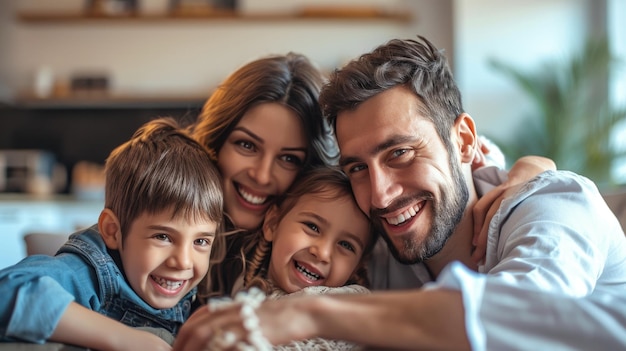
<point>249,300</point>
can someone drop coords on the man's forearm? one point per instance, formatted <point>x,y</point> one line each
<point>413,320</point>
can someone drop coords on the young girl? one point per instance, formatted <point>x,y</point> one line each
<point>314,240</point>
<point>314,236</point>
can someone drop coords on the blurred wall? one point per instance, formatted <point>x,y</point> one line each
<point>193,56</point>
<point>522,33</point>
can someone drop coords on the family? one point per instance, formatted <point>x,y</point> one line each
<point>298,213</point>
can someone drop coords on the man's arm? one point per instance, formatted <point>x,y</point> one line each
<point>463,309</point>
<point>84,327</point>
<point>558,235</point>
<point>413,320</point>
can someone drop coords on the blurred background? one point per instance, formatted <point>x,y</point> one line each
<point>77,77</point>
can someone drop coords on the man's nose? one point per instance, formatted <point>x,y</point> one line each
<point>383,187</point>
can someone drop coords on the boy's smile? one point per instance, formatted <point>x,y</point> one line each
<point>164,257</point>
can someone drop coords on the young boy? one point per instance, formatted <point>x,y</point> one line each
<point>140,265</point>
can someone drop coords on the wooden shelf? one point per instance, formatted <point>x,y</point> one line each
<point>316,14</point>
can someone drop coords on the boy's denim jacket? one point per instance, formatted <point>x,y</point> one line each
<point>35,292</point>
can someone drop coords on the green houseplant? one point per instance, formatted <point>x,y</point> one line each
<point>572,121</point>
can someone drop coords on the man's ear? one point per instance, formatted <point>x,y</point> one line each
<point>466,138</point>
<point>270,223</point>
<point>110,230</point>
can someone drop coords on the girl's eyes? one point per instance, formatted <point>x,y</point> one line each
<point>346,245</point>
<point>343,243</point>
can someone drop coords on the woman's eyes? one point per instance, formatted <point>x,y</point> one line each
<point>289,160</point>
<point>292,159</point>
<point>312,226</point>
<point>246,144</point>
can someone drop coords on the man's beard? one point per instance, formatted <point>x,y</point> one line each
<point>446,215</point>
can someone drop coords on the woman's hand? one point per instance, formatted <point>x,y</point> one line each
<point>204,325</point>
<point>274,322</point>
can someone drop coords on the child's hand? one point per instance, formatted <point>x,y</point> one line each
<point>83,327</point>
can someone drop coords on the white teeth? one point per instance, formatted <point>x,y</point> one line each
<point>403,217</point>
<point>309,274</point>
<point>257,200</point>
<point>168,284</point>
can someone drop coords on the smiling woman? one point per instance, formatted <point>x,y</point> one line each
<point>263,126</point>
<point>259,160</point>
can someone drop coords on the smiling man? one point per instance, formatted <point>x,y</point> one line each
<point>407,146</point>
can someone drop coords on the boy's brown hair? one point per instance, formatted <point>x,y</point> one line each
<point>162,168</point>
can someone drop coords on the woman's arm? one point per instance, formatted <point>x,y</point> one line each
<point>84,327</point>
<point>524,169</point>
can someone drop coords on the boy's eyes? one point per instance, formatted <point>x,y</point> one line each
<point>162,237</point>
<point>203,242</point>
<point>200,241</point>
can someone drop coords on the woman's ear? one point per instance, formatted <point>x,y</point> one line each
<point>466,138</point>
<point>110,230</point>
<point>270,223</point>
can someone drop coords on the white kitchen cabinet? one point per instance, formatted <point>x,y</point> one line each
<point>23,214</point>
